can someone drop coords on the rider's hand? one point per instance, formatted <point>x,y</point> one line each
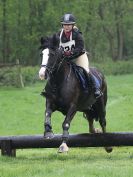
<point>42,73</point>
<point>67,53</point>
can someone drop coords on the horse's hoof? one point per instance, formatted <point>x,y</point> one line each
<point>108,149</point>
<point>98,130</point>
<point>48,135</point>
<point>63,148</point>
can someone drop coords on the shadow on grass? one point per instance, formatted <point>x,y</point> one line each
<point>77,155</point>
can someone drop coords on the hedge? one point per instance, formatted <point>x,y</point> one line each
<point>9,76</point>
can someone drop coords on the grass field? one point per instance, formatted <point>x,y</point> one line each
<point>21,112</point>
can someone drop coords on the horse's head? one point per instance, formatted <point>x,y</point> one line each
<point>51,56</point>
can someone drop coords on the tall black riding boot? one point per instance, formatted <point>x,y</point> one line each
<point>97,91</point>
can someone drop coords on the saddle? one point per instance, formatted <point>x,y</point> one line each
<point>84,78</point>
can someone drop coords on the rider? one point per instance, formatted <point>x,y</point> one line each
<point>72,43</point>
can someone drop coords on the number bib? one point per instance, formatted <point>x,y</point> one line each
<point>67,46</point>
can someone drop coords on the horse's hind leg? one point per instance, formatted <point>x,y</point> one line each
<point>102,120</point>
<point>90,120</point>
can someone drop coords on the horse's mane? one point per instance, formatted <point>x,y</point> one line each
<point>51,42</point>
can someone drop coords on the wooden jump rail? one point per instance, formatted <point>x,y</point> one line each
<point>9,144</point>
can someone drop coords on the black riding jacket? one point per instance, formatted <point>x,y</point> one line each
<point>76,50</point>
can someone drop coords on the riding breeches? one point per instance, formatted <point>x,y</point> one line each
<point>82,61</point>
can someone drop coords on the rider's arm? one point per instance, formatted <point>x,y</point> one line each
<point>79,45</point>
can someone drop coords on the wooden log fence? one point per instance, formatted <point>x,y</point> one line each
<point>9,144</point>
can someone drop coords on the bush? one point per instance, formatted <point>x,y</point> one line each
<point>115,68</point>
<point>10,76</point>
<point>30,74</point>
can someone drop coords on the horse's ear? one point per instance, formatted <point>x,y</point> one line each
<point>41,40</point>
<point>44,42</point>
<point>55,41</point>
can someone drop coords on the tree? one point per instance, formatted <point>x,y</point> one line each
<point>5,34</point>
<point>114,26</point>
<point>106,26</point>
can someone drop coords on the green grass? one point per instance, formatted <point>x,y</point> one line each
<point>21,112</point>
<point>78,163</point>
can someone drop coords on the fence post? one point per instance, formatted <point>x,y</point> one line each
<point>20,78</point>
<point>6,148</point>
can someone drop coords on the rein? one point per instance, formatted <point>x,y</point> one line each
<point>60,64</point>
<point>52,68</point>
<point>56,65</point>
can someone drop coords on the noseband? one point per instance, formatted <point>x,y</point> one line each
<point>55,66</point>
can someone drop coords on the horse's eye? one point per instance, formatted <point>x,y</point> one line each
<point>41,54</point>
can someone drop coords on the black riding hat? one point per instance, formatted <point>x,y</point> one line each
<point>68,19</point>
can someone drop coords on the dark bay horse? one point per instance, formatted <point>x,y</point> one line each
<point>63,93</point>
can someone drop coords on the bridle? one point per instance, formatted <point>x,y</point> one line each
<point>54,68</point>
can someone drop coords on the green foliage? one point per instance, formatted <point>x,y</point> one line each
<point>30,74</point>
<point>23,23</point>
<point>115,68</point>
<point>10,76</point>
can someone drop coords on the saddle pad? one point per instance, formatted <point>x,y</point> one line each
<point>83,77</point>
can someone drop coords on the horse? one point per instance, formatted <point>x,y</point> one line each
<point>63,93</point>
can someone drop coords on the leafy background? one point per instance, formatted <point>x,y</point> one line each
<point>106,26</point>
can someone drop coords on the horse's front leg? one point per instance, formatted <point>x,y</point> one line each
<point>48,133</point>
<point>66,125</point>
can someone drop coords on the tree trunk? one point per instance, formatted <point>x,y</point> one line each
<point>121,9</point>
<point>120,40</point>
<point>110,35</point>
<point>4,31</point>
<point>18,29</point>
<point>119,29</point>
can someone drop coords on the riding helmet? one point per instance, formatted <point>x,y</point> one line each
<point>68,19</point>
